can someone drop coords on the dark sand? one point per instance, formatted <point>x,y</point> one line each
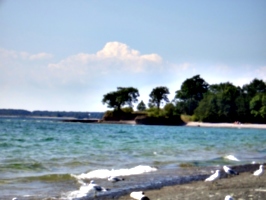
<point>242,187</point>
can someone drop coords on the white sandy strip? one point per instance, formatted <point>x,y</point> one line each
<point>226,125</point>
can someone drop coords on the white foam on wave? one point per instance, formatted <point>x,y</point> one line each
<point>105,173</point>
<point>75,194</point>
<point>85,189</point>
<point>231,157</point>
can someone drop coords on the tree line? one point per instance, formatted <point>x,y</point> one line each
<point>37,113</point>
<point>201,101</point>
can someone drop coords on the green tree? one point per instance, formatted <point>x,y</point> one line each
<point>128,95</point>
<point>158,95</point>
<point>249,91</point>
<point>242,108</point>
<point>226,96</point>
<point>123,96</point>
<point>219,104</point>
<point>111,100</point>
<point>141,106</point>
<point>191,93</point>
<point>169,110</point>
<point>207,109</point>
<point>258,107</point>
<point>254,87</point>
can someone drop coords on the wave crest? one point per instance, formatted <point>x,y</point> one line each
<point>105,173</point>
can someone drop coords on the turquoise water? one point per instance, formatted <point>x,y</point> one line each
<point>38,156</point>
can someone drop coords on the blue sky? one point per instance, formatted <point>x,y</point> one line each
<point>65,55</point>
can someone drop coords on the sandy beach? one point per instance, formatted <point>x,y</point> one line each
<point>225,125</point>
<point>244,186</point>
<point>200,124</point>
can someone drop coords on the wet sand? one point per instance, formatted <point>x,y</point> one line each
<point>245,186</point>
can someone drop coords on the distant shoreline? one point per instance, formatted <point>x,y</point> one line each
<point>132,122</point>
<point>197,124</point>
<point>225,125</point>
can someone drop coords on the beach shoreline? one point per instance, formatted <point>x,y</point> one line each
<point>243,186</point>
<point>133,122</point>
<point>225,125</point>
<point>198,124</point>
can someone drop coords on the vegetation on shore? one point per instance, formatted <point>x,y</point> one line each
<point>195,101</point>
<point>37,113</point>
<point>154,115</point>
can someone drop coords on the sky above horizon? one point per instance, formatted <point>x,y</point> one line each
<point>65,55</point>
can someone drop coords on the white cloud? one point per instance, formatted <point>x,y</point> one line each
<point>114,57</point>
<point>18,67</point>
<point>9,54</point>
<point>118,50</point>
<point>124,53</point>
<point>78,79</point>
<point>40,56</point>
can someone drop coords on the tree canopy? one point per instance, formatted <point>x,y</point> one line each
<point>219,103</point>
<point>223,102</point>
<point>258,106</point>
<point>123,96</point>
<point>158,95</point>
<point>191,93</point>
<point>141,106</point>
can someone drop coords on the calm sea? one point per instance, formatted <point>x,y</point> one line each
<point>41,159</point>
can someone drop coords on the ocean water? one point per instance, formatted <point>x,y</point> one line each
<point>50,159</point>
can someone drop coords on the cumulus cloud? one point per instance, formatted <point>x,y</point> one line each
<point>118,50</point>
<point>123,52</point>
<point>114,56</point>
<point>89,76</point>
<point>114,60</point>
